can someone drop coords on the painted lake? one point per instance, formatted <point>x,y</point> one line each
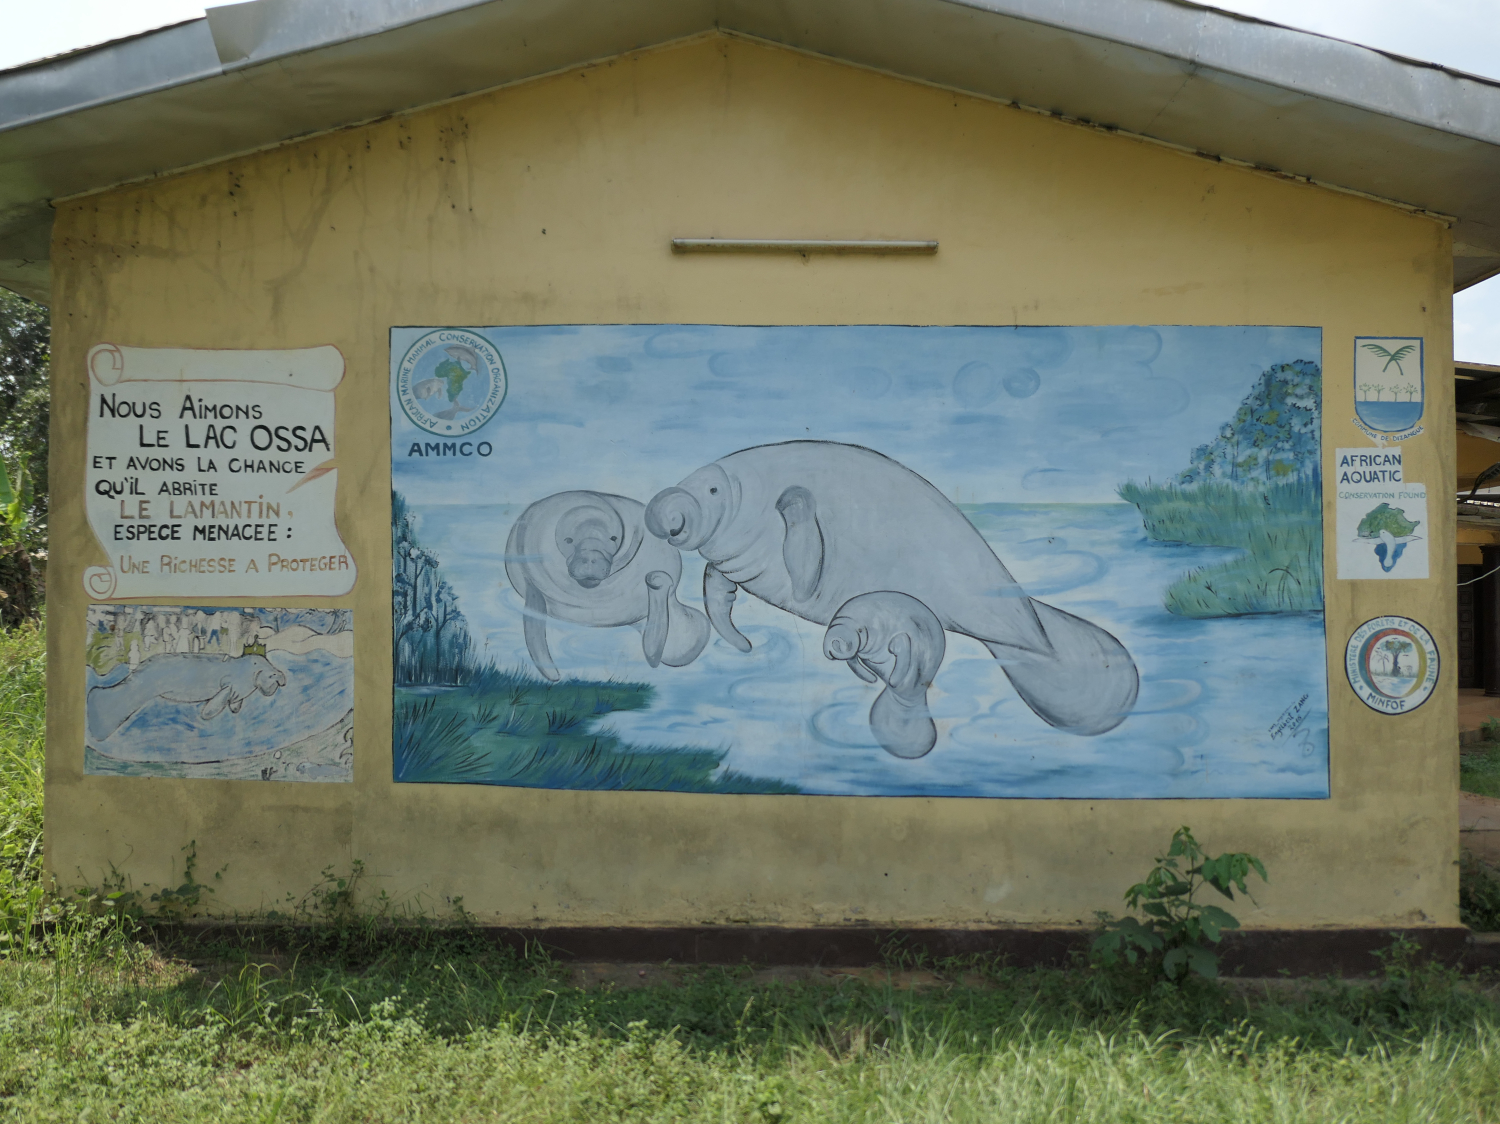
<point>1231,707</point>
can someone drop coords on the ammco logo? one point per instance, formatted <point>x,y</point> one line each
<point>450,382</point>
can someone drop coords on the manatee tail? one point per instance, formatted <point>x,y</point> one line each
<point>1086,686</point>
<point>108,708</point>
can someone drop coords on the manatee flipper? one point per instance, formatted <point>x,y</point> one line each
<point>687,635</point>
<point>214,706</point>
<point>1089,683</point>
<point>860,669</point>
<point>903,727</point>
<point>904,671</point>
<point>802,549</point>
<point>534,627</point>
<point>718,600</point>
<point>658,621</point>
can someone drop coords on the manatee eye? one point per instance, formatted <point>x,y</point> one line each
<point>567,540</point>
<point>614,538</point>
<point>713,491</point>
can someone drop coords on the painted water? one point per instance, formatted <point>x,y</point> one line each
<point>1390,417</point>
<point>1229,706</point>
<point>302,732</point>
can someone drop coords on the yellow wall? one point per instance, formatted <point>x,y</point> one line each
<point>553,202</point>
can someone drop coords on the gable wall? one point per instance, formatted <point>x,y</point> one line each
<point>554,202</point>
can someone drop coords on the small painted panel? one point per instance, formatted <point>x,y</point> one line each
<point>1392,664</point>
<point>231,694</point>
<point>1388,383</point>
<point>874,561</point>
<point>1381,520</point>
<point>212,473</point>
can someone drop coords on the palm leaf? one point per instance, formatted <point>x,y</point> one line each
<point>1403,352</point>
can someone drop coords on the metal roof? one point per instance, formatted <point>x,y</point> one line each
<point>1227,86</point>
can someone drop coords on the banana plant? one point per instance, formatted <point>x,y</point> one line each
<point>15,499</point>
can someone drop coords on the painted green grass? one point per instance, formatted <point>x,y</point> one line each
<point>1279,527</point>
<point>511,728</point>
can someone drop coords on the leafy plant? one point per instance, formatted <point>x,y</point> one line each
<point>1478,894</point>
<point>1172,937</point>
<point>15,500</point>
<point>116,898</point>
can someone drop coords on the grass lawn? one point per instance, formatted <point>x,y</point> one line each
<point>1479,769</point>
<point>356,1026</point>
<point>359,1019</point>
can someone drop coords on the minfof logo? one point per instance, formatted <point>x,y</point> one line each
<point>450,382</point>
<point>1388,382</point>
<point>1392,664</point>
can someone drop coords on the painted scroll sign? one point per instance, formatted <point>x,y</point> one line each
<point>212,473</point>
<point>236,694</point>
<point>893,561</point>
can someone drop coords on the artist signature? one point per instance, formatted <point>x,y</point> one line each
<point>1291,720</point>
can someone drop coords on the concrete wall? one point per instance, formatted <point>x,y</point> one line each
<point>554,202</point>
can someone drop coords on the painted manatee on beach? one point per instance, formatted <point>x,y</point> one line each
<point>217,682</point>
<point>585,557</point>
<point>808,525</point>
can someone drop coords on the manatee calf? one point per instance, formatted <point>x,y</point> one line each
<point>807,525</point>
<point>585,557</point>
<point>893,638</point>
<point>217,682</point>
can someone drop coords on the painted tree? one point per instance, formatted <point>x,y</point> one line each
<point>429,632</point>
<point>1273,435</point>
<point>1396,648</point>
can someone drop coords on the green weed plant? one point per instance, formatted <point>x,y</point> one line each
<point>23,723</point>
<point>1175,937</point>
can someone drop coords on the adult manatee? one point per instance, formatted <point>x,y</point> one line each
<point>219,683</point>
<point>585,557</point>
<point>807,525</point>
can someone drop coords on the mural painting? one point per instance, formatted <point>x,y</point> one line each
<point>232,694</point>
<point>879,560</point>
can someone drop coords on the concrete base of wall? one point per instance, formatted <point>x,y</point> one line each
<point>1251,953</point>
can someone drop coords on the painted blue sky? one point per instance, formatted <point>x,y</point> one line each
<point>1019,415</point>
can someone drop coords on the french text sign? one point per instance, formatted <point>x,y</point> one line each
<point>211,473</point>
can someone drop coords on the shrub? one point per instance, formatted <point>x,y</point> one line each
<point>1171,941</point>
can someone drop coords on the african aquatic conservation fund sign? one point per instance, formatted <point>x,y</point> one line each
<point>211,473</point>
<point>1380,516</point>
